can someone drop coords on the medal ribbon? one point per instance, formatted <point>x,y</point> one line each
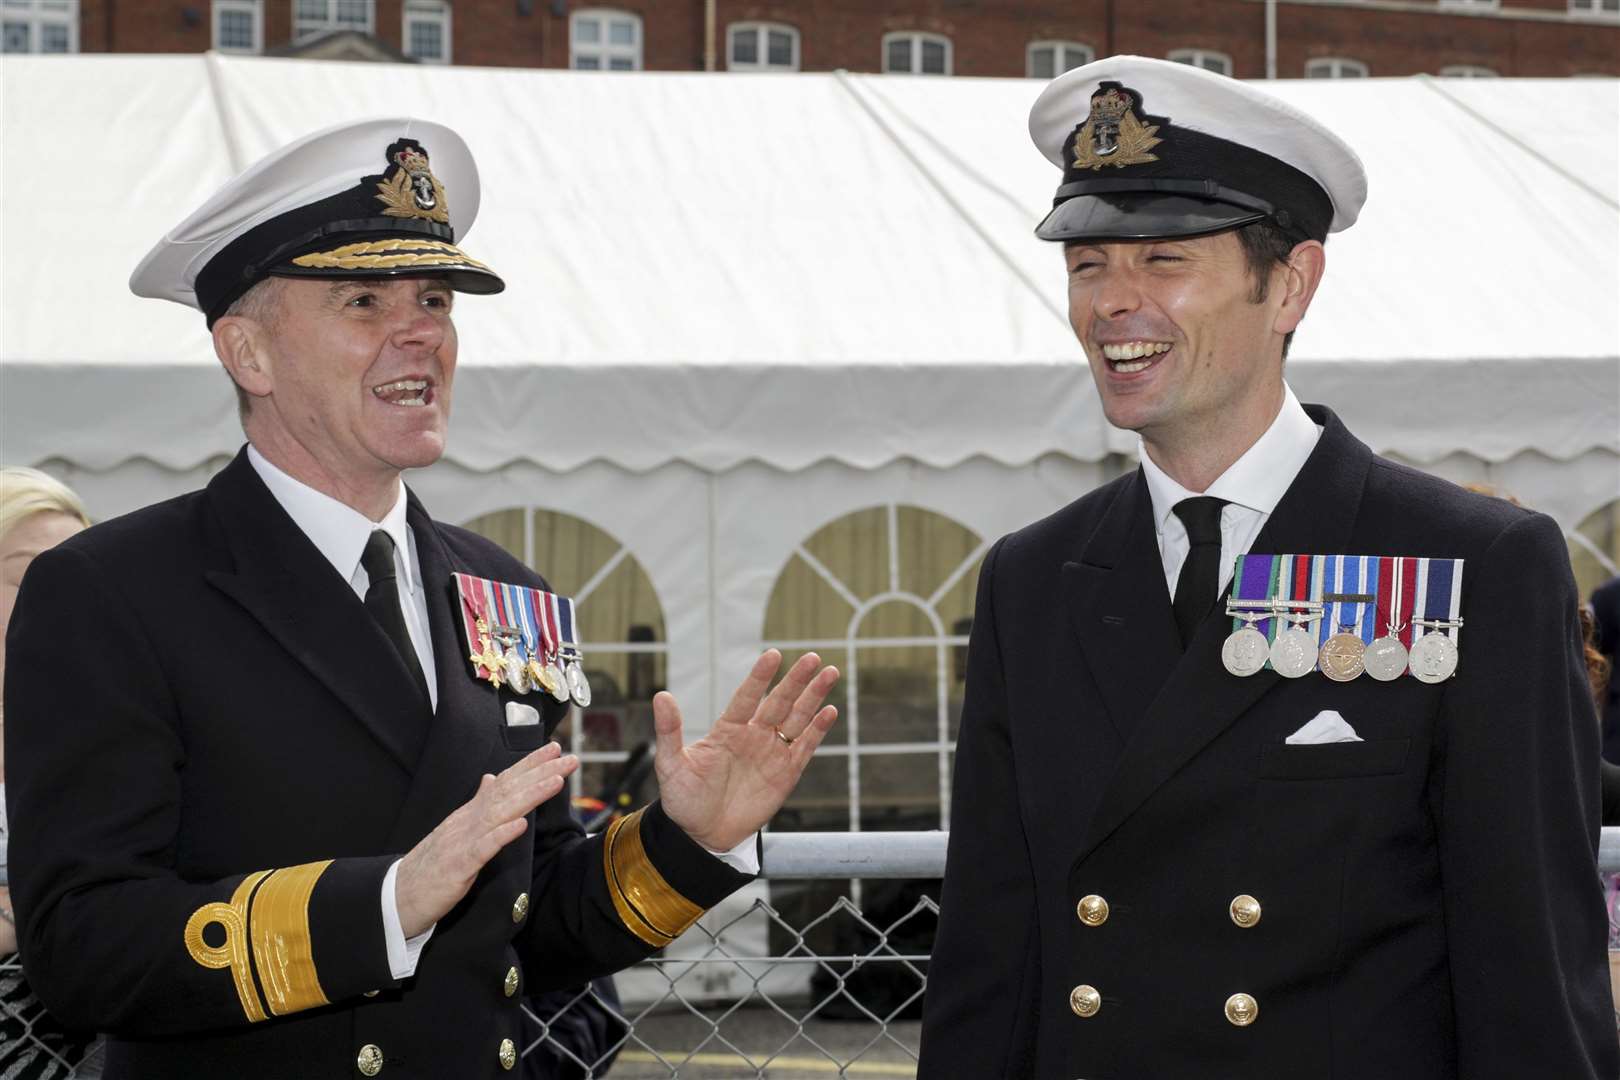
<point>1388,582</point>
<point>1408,572</point>
<point>1441,598</point>
<point>471,591</point>
<point>1253,581</point>
<point>521,619</point>
<point>1366,614</point>
<point>565,607</point>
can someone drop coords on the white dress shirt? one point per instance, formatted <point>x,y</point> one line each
<point>1252,486</point>
<point>340,533</point>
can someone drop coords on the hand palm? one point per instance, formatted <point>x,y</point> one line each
<point>730,783</point>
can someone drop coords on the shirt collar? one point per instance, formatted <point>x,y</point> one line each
<point>338,532</point>
<point>1258,479</point>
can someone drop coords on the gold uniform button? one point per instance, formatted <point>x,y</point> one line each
<point>1084,1000</point>
<point>1093,910</point>
<point>508,1054</point>
<point>520,907</point>
<point>370,1061</point>
<point>1242,1010</point>
<point>371,993</point>
<point>510,983</point>
<point>1245,910</point>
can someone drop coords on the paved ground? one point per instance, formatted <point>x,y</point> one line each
<point>858,1050</point>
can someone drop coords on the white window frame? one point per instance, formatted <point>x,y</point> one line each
<point>762,34</point>
<point>254,9</point>
<point>1057,47</point>
<point>602,50</point>
<point>1467,71</point>
<point>1595,8</point>
<point>1335,67</point>
<point>440,15</point>
<point>917,38</point>
<point>306,29</point>
<point>1199,58</point>
<point>1477,5</point>
<point>37,17</point>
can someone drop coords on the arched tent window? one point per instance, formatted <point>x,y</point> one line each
<point>885,593</point>
<point>1594,548</point>
<point>621,627</point>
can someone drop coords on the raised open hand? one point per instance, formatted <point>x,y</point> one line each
<point>729,783</point>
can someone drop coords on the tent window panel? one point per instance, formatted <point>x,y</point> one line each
<point>1594,548</point>
<point>855,549</point>
<point>932,547</point>
<point>820,802</point>
<point>899,694</point>
<point>804,607</point>
<point>899,792</point>
<point>569,551</point>
<point>623,609</point>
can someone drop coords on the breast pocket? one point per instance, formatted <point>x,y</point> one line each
<point>1333,761</point>
<point>523,727</point>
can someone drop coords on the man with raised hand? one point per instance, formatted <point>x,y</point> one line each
<point>285,807</point>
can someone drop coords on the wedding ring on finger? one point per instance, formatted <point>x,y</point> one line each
<point>787,740</point>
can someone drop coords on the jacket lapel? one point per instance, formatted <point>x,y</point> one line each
<point>1200,699</point>
<point>1120,608</point>
<point>287,585</point>
<point>460,743</point>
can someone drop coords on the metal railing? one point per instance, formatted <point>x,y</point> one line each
<point>790,979</point>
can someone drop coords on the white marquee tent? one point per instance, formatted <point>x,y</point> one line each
<point>742,306</point>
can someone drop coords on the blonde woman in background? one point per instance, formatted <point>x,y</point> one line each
<point>36,512</point>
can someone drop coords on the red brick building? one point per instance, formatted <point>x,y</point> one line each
<point>1247,38</point>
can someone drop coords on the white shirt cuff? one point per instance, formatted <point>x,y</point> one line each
<point>403,953</point>
<point>744,858</point>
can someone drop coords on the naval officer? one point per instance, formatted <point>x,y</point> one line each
<point>279,813</point>
<point>1175,854</point>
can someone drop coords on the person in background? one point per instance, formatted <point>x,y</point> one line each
<point>37,512</point>
<point>1606,611</point>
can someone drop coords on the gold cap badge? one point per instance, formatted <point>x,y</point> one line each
<point>410,189</point>
<point>1112,135</point>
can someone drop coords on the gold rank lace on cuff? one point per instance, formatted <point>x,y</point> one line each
<point>649,906</point>
<point>270,910</point>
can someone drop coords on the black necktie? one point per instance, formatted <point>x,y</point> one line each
<point>382,600</point>
<point>1201,573</point>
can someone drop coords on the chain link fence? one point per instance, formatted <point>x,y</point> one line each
<point>791,979</point>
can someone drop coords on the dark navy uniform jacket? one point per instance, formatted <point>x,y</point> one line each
<point>1428,898</point>
<point>200,714</point>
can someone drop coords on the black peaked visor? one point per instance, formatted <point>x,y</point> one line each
<point>1144,210</point>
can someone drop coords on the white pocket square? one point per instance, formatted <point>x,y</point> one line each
<point>521,715</point>
<point>1326,726</point>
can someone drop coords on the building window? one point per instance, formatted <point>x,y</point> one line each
<point>1482,5</point>
<point>39,26</point>
<point>1208,59</point>
<point>886,594</point>
<point>311,17</point>
<point>427,31</point>
<point>1335,67</point>
<point>1467,71</point>
<point>621,631</point>
<point>917,54</point>
<point>604,39</point>
<point>238,26</point>
<point>1047,59</point>
<point>755,46</point>
<point>1609,8</point>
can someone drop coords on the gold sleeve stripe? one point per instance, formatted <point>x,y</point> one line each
<point>281,942</point>
<point>233,954</point>
<point>648,905</point>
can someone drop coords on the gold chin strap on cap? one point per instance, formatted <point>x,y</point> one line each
<point>649,906</point>
<point>269,913</point>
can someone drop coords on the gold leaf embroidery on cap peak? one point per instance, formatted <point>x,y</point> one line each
<point>387,254</point>
<point>1134,141</point>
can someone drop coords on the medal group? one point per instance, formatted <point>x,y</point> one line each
<point>1344,615</point>
<point>523,638</point>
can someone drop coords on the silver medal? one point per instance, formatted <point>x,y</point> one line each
<point>1386,659</point>
<point>1434,658</point>
<point>1342,657</point>
<point>1244,651</point>
<point>559,684</point>
<point>1293,654</point>
<point>578,685</point>
<point>517,676</point>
